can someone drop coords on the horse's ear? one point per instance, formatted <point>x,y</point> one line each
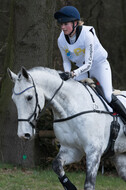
<point>12,75</point>
<point>24,73</point>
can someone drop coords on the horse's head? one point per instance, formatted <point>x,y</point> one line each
<point>28,99</point>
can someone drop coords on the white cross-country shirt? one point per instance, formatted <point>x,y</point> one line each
<point>86,52</point>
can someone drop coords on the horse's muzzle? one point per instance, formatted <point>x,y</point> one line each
<point>27,136</point>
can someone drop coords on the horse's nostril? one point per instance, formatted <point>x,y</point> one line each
<point>27,135</point>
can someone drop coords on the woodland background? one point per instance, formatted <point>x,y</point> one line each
<point>28,37</point>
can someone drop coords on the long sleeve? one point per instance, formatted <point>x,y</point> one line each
<point>89,52</point>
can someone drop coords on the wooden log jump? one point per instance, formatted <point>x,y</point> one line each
<point>46,134</point>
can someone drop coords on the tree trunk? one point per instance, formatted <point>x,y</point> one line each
<point>28,37</point>
<point>34,30</point>
<point>30,43</point>
<point>46,134</point>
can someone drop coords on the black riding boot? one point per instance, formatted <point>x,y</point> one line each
<point>117,106</point>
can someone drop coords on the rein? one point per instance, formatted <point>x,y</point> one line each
<point>81,113</point>
<point>41,112</point>
<point>49,102</point>
<point>89,111</point>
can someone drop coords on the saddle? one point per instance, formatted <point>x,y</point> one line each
<point>95,84</point>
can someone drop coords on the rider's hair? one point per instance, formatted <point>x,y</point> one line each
<point>80,23</point>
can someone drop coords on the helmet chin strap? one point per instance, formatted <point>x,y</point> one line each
<point>73,29</point>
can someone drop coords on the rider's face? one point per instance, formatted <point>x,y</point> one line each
<point>67,27</point>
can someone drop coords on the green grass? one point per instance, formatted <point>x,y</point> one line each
<point>12,178</point>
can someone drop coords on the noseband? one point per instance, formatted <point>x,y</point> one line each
<point>34,114</point>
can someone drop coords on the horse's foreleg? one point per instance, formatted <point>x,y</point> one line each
<point>65,156</point>
<point>92,165</point>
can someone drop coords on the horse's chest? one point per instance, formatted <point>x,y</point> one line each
<point>66,135</point>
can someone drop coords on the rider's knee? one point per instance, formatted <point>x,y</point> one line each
<point>108,97</point>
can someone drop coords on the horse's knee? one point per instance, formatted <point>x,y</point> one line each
<point>57,167</point>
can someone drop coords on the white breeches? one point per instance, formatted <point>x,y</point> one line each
<point>102,73</point>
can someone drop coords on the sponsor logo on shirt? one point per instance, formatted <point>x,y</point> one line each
<point>91,53</point>
<point>77,51</point>
<point>69,54</point>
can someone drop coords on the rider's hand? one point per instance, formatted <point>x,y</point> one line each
<point>72,73</point>
<point>65,76</point>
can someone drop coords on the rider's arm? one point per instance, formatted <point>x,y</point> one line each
<point>89,51</point>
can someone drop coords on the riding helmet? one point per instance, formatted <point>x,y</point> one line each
<point>67,14</point>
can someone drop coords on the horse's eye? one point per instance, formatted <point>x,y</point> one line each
<point>29,98</point>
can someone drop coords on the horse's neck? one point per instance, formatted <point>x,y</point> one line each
<point>48,84</point>
<point>68,99</point>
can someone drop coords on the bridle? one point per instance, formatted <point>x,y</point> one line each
<point>40,112</point>
<point>34,114</point>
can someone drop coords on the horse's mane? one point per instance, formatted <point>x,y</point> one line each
<point>50,71</point>
<point>45,69</point>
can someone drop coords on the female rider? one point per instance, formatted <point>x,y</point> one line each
<point>79,44</point>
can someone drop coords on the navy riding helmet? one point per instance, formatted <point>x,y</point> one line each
<point>67,14</point>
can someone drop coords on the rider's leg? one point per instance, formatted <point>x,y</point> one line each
<point>103,74</point>
<point>65,156</point>
<point>117,106</point>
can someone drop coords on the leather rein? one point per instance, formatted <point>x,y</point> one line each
<point>41,112</point>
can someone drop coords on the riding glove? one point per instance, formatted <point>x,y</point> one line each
<point>65,76</point>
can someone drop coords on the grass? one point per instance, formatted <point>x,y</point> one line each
<point>13,178</point>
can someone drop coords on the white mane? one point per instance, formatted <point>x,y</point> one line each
<point>49,72</point>
<point>44,69</point>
